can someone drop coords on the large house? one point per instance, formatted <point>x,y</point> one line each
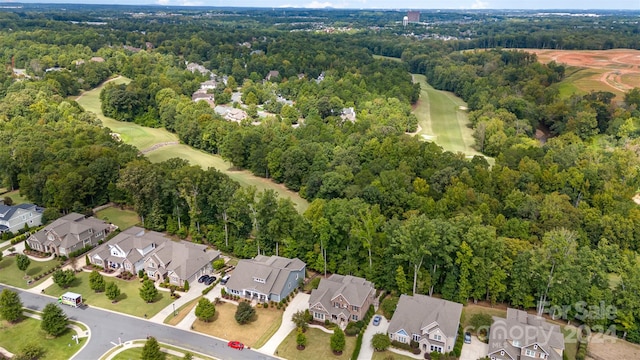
<point>341,299</point>
<point>266,278</point>
<point>70,233</point>
<point>522,336</point>
<point>431,322</point>
<point>14,218</point>
<point>161,258</point>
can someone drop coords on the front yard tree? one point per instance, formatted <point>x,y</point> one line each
<point>206,310</point>
<point>151,350</point>
<point>10,306</point>
<point>337,341</point>
<point>112,291</point>
<point>54,320</point>
<point>96,282</point>
<point>301,340</point>
<point>64,278</point>
<point>23,262</point>
<point>245,313</point>
<point>300,319</point>
<point>380,342</point>
<point>148,291</point>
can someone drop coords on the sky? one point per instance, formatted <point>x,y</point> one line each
<point>378,4</point>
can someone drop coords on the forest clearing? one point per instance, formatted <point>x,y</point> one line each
<point>616,71</point>
<point>158,145</point>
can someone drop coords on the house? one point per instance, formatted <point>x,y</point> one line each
<point>231,114</point>
<point>161,258</point>
<point>14,218</point>
<point>266,278</point>
<point>348,114</point>
<point>201,95</point>
<point>70,233</point>
<point>522,336</point>
<point>193,67</point>
<point>431,322</point>
<point>97,59</point>
<point>341,299</point>
<point>272,75</point>
<point>208,85</point>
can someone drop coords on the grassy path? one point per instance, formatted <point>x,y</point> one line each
<point>160,144</point>
<point>442,118</point>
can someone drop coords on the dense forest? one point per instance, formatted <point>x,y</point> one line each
<point>385,205</point>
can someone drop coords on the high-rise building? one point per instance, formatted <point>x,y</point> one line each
<point>413,16</point>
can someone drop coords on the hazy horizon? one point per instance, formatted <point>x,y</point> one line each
<point>371,4</point>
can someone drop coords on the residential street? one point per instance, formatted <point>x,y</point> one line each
<point>110,328</point>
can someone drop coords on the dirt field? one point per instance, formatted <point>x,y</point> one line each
<point>616,71</point>
<point>605,347</point>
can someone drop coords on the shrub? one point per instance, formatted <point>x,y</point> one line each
<point>301,339</point>
<point>480,323</point>
<point>245,313</point>
<point>315,282</point>
<point>388,307</point>
<point>380,342</point>
<point>218,264</point>
<point>352,329</point>
<point>186,285</point>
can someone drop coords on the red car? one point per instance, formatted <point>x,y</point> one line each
<point>236,345</point>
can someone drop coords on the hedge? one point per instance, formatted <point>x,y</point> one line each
<point>457,348</point>
<point>356,351</point>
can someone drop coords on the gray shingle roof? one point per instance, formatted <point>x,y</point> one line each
<point>354,289</point>
<point>415,312</point>
<point>527,330</point>
<point>274,270</point>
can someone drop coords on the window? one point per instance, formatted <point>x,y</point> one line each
<point>402,339</point>
<point>297,276</point>
<point>355,308</point>
<point>319,316</point>
<point>530,353</point>
<point>535,346</point>
<point>516,343</point>
<point>354,317</point>
<point>437,337</point>
<point>436,348</point>
<point>502,352</point>
<point>416,337</point>
<point>289,285</point>
<point>258,280</point>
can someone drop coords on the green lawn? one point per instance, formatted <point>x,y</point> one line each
<point>469,310</point>
<point>129,301</point>
<point>442,119</point>
<point>11,275</point>
<point>145,137</point>
<point>16,197</point>
<point>381,57</point>
<point>15,336</point>
<point>124,219</point>
<point>389,355</point>
<point>317,347</point>
<point>571,347</point>
<point>136,353</point>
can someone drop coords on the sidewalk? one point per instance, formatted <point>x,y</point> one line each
<point>299,302</point>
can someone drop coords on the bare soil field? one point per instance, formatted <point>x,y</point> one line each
<point>616,70</point>
<point>605,347</point>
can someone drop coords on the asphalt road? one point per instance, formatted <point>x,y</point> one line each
<point>109,328</point>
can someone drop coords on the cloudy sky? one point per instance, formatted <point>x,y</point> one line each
<point>381,4</point>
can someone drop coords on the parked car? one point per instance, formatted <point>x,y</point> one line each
<point>467,338</point>
<point>224,280</point>
<point>203,278</point>
<point>236,345</point>
<point>210,280</point>
<point>376,320</point>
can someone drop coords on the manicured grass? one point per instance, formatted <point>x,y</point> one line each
<point>381,57</point>
<point>124,219</point>
<point>16,197</point>
<point>470,310</point>
<point>585,80</point>
<point>16,336</point>
<point>225,326</point>
<point>442,119</point>
<point>243,177</point>
<point>389,355</point>
<point>273,328</point>
<point>129,301</point>
<point>182,311</point>
<point>136,353</point>
<point>11,275</point>
<point>145,137</point>
<point>570,347</point>
<point>318,347</point>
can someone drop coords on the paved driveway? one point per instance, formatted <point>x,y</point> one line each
<point>366,352</point>
<point>299,302</point>
<point>474,351</point>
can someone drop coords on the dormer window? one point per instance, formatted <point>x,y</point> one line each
<point>535,347</point>
<point>516,343</point>
<point>259,280</point>
<point>502,353</point>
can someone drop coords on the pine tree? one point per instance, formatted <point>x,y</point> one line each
<point>148,291</point>
<point>151,350</point>
<point>10,306</point>
<point>54,320</point>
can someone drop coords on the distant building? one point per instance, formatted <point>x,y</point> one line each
<point>405,21</point>
<point>413,16</point>
<point>272,75</point>
<point>96,59</point>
